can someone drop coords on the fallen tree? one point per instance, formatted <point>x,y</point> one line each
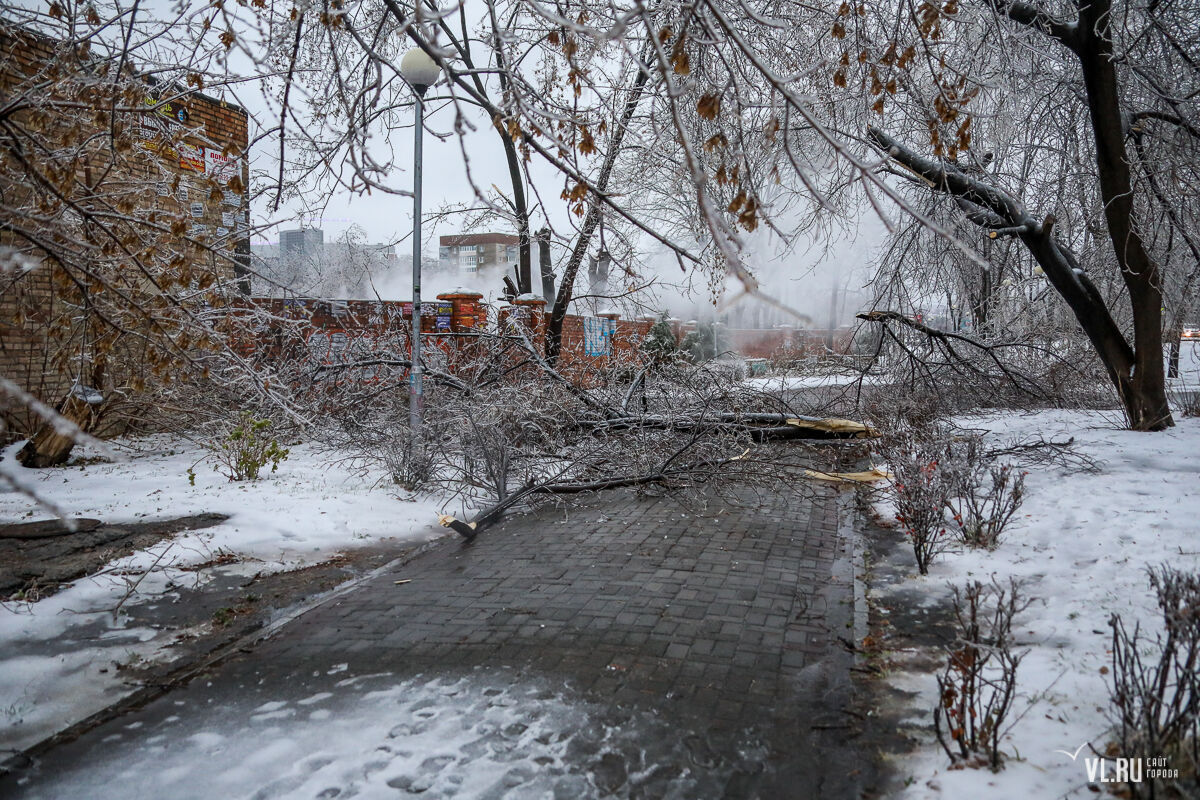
<point>508,428</point>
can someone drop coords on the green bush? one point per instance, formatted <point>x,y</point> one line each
<point>246,449</point>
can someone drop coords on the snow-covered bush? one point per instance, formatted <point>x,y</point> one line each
<point>921,484</point>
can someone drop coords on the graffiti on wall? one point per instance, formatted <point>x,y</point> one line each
<point>597,336</point>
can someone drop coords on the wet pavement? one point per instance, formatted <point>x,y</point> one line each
<point>37,557</point>
<point>627,646</point>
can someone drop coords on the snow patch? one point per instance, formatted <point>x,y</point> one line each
<point>1081,544</point>
<point>479,735</point>
<point>59,656</point>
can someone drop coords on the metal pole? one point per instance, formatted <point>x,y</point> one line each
<point>416,388</point>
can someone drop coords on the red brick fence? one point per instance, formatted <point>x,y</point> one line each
<point>335,331</point>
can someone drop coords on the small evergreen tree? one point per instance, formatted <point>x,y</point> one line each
<point>660,344</point>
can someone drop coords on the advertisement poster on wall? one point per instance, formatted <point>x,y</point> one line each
<point>220,167</point>
<point>191,157</point>
<point>441,313</point>
<point>151,133</point>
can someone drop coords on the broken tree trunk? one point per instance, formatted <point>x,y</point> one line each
<point>52,443</point>
<point>469,530</point>
<point>760,426</point>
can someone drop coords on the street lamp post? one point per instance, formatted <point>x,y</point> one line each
<point>421,72</point>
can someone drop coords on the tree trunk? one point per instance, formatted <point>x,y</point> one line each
<point>981,311</point>
<point>520,210</point>
<point>49,447</point>
<point>1144,389</point>
<point>1173,359</point>
<point>544,264</point>
<point>558,312</point>
<point>1145,408</point>
<point>519,203</point>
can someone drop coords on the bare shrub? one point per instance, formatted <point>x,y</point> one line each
<point>982,518</point>
<point>410,460</point>
<point>1191,403</point>
<point>1155,688</point>
<point>985,495</point>
<point>978,684</point>
<point>921,485</point>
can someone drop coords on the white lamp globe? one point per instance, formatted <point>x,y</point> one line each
<point>419,69</point>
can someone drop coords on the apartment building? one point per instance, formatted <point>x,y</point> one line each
<point>471,253</point>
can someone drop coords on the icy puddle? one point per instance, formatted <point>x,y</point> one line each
<point>480,735</point>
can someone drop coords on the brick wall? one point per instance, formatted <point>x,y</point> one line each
<point>176,162</point>
<point>340,332</point>
<point>335,330</point>
<point>347,331</point>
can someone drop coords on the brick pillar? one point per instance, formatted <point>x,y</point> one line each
<point>529,310</point>
<point>469,311</point>
<point>789,337</point>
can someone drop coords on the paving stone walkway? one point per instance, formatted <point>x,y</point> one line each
<point>710,632</point>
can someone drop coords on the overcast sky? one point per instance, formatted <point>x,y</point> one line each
<point>802,278</point>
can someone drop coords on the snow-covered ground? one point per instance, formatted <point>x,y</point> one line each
<point>302,513</point>
<point>834,380</point>
<point>482,734</point>
<point>58,655</point>
<point>1081,544</point>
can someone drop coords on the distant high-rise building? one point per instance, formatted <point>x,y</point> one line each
<point>304,263</point>
<point>302,242</point>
